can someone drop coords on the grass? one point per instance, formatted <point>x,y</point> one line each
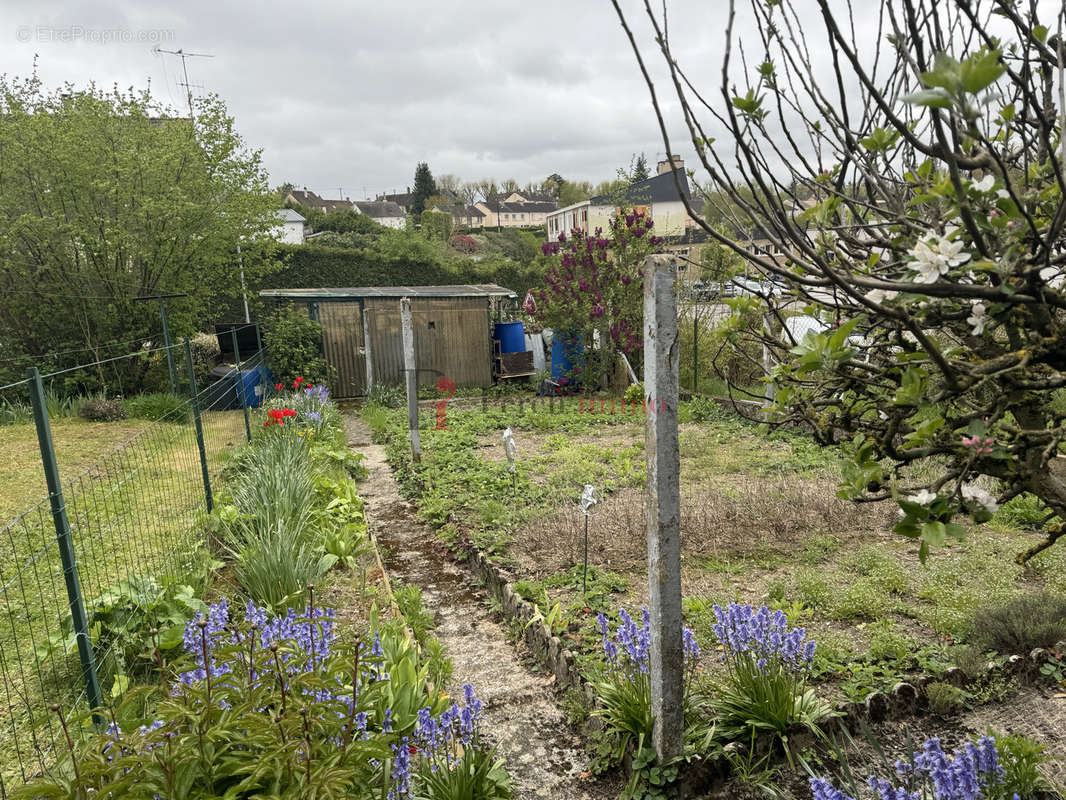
<point>133,493</point>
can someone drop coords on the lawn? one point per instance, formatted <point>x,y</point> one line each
<point>761,524</point>
<point>133,492</point>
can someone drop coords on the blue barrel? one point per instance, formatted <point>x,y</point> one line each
<point>512,337</point>
<point>253,381</point>
<point>567,354</point>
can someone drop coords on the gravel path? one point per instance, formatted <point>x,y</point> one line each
<point>544,755</point>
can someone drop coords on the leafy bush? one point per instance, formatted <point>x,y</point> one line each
<point>102,409</point>
<point>1021,758</point>
<point>767,666</point>
<point>158,406</point>
<point>634,393</point>
<point>463,243</point>
<point>294,347</point>
<point>436,225</point>
<point>705,409</point>
<point>1019,625</point>
<point>120,624</point>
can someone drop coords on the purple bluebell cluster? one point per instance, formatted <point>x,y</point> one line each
<point>319,393</point>
<point>967,774</point>
<point>629,649</point>
<point>401,769</point>
<point>762,636</point>
<point>311,637</point>
<point>438,736</point>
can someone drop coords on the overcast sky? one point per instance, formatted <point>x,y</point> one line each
<point>352,94</point>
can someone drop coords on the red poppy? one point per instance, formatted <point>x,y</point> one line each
<point>279,386</point>
<point>296,383</point>
<point>288,412</point>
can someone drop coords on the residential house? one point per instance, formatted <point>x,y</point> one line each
<point>463,216</point>
<point>309,199</point>
<point>383,212</point>
<point>657,196</point>
<point>405,199</point>
<point>528,197</point>
<point>289,228</point>
<point>516,214</point>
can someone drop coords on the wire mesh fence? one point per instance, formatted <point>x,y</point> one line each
<point>134,516</point>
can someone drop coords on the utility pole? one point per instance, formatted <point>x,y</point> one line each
<point>185,69</point>
<point>412,377</point>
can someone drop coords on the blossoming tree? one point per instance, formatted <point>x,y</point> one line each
<point>595,289</point>
<point>912,168</point>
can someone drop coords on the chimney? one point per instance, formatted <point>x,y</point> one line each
<point>671,163</point>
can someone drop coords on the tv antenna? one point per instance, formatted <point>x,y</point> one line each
<point>184,68</point>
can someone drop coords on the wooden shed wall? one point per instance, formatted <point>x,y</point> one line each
<point>452,339</point>
<point>342,341</point>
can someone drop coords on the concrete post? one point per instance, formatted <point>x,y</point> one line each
<point>366,348</point>
<point>768,361</point>
<point>412,377</point>
<point>662,503</point>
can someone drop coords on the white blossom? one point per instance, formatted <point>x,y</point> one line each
<point>974,495</point>
<point>985,184</point>
<point>1053,277</point>
<point>978,318</point>
<point>923,498</point>
<point>934,255</point>
<point>1003,194</point>
<point>881,295</point>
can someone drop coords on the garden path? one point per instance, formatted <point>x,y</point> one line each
<point>544,756</point>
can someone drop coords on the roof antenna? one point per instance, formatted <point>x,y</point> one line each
<point>185,69</point>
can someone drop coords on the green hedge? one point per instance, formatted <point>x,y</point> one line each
<point>313,266</point>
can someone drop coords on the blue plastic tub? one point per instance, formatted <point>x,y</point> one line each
<point>512,337</point>
<point>568,356</point>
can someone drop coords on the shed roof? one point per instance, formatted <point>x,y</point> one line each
<point>463,290</point>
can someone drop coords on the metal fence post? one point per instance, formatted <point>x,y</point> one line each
<point>240,381</point>
<point>65,542</point>
<point>199,428</point>
<point>166,346</point>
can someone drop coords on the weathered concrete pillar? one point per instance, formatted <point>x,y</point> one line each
<point>662,502</point>
<point>412,377</point>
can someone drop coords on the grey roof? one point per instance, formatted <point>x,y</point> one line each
<point>656,189</point>
<point>306,197</point>
<point>288,215</point>
<point>379,209</point>
<point>531,206</point>
<point>468,290</point>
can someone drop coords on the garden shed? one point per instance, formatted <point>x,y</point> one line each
<point>362,339</point>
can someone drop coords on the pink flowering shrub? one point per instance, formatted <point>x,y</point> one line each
<point>597,284</point>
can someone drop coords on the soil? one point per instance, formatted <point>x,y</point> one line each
<point>545,757</point>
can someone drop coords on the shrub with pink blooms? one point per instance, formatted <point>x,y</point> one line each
<point>597,284</point>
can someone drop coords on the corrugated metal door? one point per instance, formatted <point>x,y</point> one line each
<point>342,340</point>
<point>451,340</point>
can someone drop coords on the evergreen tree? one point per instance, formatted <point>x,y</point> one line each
<point>640,171</point>
<point>425,187</point>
